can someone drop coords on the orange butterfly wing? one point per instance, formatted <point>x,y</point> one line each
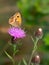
<point>16,20</point>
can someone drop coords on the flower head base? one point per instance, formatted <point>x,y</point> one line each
<point>16,32</point>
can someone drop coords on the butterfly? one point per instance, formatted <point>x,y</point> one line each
<point>16,20</point>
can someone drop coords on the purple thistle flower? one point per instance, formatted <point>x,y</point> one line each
<point>16,32</point>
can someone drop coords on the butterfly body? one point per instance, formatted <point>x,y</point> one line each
<point>16,20</point>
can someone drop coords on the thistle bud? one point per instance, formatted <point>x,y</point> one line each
<point>39,33</point>
<point>36,59</point>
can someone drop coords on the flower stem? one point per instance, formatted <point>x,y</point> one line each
<point>36,64</point>
<point>10,57</point>
<point>34,49</point>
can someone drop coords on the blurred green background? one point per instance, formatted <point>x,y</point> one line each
<point>35,14</point>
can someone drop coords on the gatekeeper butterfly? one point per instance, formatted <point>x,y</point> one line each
<point>16,20</point>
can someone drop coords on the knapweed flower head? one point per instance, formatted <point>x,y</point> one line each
<point>16,32</point>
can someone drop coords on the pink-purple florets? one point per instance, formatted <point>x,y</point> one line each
<point>16,32</point>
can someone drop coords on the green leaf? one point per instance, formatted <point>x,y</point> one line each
<point>43,6</point>
<point>32,64</point>
<point>10,57</point>
<point>25,63</point>
<point>19,63</point>
<point>46,39</point>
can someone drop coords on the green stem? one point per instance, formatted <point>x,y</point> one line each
<point>36,64</point>
<point>34,49</point>
<point>10,57</point>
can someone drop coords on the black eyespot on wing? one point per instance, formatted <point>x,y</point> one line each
<point>17,16</point>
